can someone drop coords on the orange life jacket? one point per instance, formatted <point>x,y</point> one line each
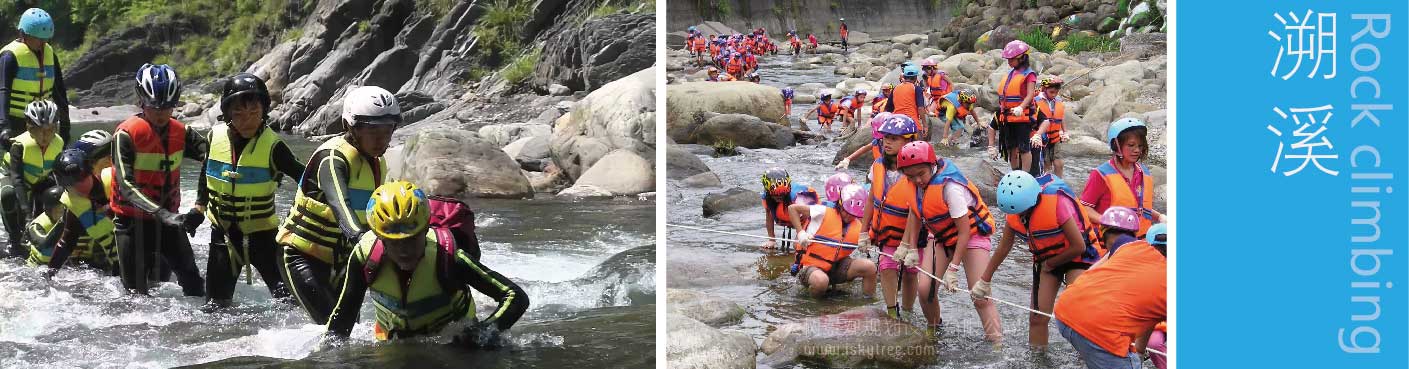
<point>156,168</point>
<point>826,112</point>
<point>878,104</point>
<point>890,206</point>
<point>833,230</point>
<point>1110,305</point>
<point>959,110</point>
<point>780,210</point>
<point>1054,110</point>
<point>1012,92</point>
<point>934,212</point>
<point>906,100</point>
<point>938,84</point>
<point>714,50</point>
<point>736,65</point>
<point>1044,234</point>
<point>1142,200</point>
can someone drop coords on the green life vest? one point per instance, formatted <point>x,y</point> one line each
<point>241,190</point>
<point>34,79</point>
<point>426,306</point>
<point>37,164</point>
<point>311,227</point>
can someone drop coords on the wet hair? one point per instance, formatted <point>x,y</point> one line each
<point>1137,133</point>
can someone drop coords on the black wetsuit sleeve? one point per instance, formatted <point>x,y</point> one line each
<point>69,230</point>
<point>332,179</point>
<point>202,196</point>
<point>8,69</point>
<point>513,301</point>
<point>38,237</point>
<point>196,146</point>
<point>17,171</point>
<point>124,155</point>
<point>285,161</point>
<point>349,304</point>
<point>60,97</point>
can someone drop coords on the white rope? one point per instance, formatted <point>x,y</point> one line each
<point>922,271</point>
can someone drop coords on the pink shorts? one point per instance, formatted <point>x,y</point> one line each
<point>889,264</point>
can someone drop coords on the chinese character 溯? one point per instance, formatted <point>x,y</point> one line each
<point>1302,41</point>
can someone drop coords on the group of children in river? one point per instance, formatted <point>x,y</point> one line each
<point>1107,244</point>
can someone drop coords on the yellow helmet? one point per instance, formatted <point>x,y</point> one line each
<point>398,210</point>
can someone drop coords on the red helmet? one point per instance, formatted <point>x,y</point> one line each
<point>917,152</point>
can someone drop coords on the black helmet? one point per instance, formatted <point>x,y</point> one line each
<point>71,166</point>
<point>51,197</point>
<point>240,85</point>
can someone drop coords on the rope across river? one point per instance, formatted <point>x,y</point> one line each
<point>850,246</point>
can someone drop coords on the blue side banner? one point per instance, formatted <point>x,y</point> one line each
<point>1292,162</point>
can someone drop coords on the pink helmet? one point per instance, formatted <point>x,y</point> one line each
<point>1120,217</point>
<point>928,63</point>
<point>917,152</point>
<point>876,121</point>
<point>835,184</point>
<point>1015,48</point>
<point>853,199</point>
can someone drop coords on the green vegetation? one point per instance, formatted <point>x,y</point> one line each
<point>439,8</point>
<point>1077,43</point>
<point>518,70</point>
<point>498,31</point>
<point>610,7</point>
<point>959,7</point>
<point>722,8</point>
<point>725,147</point>
<point>231,28</point>
<point>1038,40</point>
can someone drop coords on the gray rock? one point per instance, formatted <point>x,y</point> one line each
<point>695,345</point>
<point>742,130</point>
<point>620,115</point>
<point>601,50</point>
<point>621,172</point>
<point>504,134</point>
<point>706,308</point>
<point>850,339</point>
<point>729,200</point>
<point>681,163</point>
<point>559,90</point>
<point>686,100</point>
<point>458,164</point>
<point>706,179</point>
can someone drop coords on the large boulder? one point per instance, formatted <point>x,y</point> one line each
<point>620,115</point>
<point>858,337</point>
<point>600,51</point>
<point>1129,71</point>
<point>740,130</point>
<point>706,308</point>
<point>685,100</point>
<point>681,163</point>
<point>857,37</point>
<point>503,134</point>
<point>337,52</point>
<point>621,173</point>
<point>1101,108</point>
<point>855,140</point>
<point>530,152</point>
<point>910,39</point>
<point>459,164</point>
<point>691,344</point>
<point>729,200</point>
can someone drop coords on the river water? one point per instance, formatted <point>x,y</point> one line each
<point>735,268</point>
<point>590,278</point>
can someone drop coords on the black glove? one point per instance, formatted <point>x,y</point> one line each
<point>193,219</point>
<point>483,334</point>
<point>5,138</point>
<point>171,219</point>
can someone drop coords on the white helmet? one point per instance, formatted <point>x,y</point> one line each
<point>370,105</point>
<point>97,143</point>
<point>42,113</point>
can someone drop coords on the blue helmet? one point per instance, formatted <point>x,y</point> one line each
<point>898,124</point>
<point>1158,234</point>
<point>1017,192</point>
<point>158,86</point>
<point>911,70</point>
<point>787,92</point>
<point>1120,126</point>
<point>36,23</point>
